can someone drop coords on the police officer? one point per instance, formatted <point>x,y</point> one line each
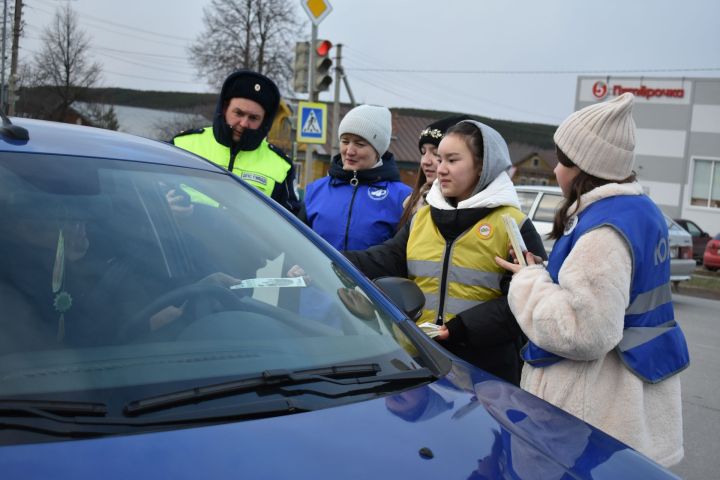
<point>237,141</point>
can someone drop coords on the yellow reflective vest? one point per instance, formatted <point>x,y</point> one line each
<point>262,168</point>
<point>458,275</point>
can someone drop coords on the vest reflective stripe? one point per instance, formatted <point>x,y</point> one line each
<point>469,276</point>
<point>432,300</point>
<point>635,336</point>
<point>424,268</point>
<point>262,168</point>
<point>472,277</point>
<point>653,346</point>
<point>648,301</point>
<point>453,306</point>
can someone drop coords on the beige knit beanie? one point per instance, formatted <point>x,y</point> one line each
<point>600,138</point>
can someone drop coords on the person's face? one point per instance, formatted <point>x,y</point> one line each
<point>356,153</point>
<point>457,172</point>
<point>429,162</point>
<point>565,176</point>
<point>242,113</point>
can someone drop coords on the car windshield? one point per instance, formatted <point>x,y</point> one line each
<point>151,278</point>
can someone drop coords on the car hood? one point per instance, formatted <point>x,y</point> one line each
<point>452,428</point>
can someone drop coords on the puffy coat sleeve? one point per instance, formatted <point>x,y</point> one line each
<point>387,259</point>
<point>582,316</point>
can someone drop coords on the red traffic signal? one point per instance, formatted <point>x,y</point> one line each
<point>322,48</point>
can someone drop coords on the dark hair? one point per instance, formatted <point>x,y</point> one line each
<point>581,184</point>
<point>413,199</point>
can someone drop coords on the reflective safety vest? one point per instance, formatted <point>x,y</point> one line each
<point>262,168</point>
<point>653,346</point>
<point>455,276</point>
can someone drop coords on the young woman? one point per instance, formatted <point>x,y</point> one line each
<point>427,173</point>
<point>449,247</point>
<point>603,341</point>
<point>359,203</point>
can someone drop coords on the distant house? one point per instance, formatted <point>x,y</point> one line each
<point>534,169</point>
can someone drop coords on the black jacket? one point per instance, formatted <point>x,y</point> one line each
<point>485,335</point>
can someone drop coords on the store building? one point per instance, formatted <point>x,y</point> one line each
<point>678,140</point>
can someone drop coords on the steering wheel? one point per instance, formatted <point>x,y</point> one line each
<point>195,292</point>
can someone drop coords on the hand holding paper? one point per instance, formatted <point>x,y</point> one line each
<point>516,240</point>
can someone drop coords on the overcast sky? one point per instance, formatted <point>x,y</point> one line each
<point>516,60</point>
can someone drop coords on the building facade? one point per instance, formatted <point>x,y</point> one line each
<point>678,140</point>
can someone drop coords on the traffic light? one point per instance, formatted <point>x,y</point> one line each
<point>323,62</point>
<point>300,68</point>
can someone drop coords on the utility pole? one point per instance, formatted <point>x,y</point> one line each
<point>17,22</point>
<point>313,97</point>
<point>334,150</point>
<point>2,66</point>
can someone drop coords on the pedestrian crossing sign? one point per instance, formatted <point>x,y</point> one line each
<point>311,122</point>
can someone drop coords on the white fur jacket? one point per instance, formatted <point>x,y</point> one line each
<point>581,319</point>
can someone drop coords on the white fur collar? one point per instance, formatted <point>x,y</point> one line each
<point>604,191</point>
<point>499,192</point>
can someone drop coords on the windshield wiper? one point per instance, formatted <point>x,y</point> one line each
<point>347,375</point>
<point>51,408</point>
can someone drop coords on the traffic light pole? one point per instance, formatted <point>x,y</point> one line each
<point>313,97</point>
<point>334,150</point>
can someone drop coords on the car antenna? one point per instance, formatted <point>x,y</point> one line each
<point>13,131</point>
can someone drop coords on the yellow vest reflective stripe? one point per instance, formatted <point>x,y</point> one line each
<point>472,277</point>
<point>262,168</point>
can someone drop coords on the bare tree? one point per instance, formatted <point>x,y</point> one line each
<point>167,129</point>
<point>254,34</point>
<point>102,116</point>
<point>63,64</point>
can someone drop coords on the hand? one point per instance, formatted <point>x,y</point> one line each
<point>297,271</point>
<point>220,279</point>
<point>443,333</point>
<point>179,203</point>
<point>357,303</point>
<point>515,267</point>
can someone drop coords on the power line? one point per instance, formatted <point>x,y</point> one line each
<point>537,72</point>
<point>121,25</point>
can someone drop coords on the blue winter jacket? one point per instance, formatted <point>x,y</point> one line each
<point>355,215</point>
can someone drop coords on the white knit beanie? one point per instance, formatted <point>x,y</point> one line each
<point>370,122</point>
<point>600,138</point>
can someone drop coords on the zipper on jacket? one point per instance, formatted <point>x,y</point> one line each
<point>231,162</point>
<point>443,282</point>
<point>354,182</point>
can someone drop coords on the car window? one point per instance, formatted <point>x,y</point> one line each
<point>123,274</point>
<point>526,201</point>
<point>693,229</point>
<point>546,208</point>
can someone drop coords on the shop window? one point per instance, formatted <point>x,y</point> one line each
<point>706,183</point>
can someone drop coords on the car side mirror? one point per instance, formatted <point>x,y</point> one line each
<point>404,293</point>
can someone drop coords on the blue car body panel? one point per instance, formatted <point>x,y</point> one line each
<point>494,430</point>
<point>467,424</point>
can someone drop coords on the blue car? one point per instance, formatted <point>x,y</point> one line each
<point>150,328</point>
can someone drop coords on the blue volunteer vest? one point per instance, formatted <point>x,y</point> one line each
<point>653,346</point>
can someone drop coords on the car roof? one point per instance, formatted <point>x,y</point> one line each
<point>56,138</point>
<point>538,188</point>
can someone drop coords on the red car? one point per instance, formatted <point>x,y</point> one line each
<point>711,257</point>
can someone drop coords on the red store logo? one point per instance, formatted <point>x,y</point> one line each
<point>599,89</point>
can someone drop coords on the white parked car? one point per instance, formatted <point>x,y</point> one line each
<point>539,203</point>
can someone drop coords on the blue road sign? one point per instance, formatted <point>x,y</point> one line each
<point>312,122</point>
